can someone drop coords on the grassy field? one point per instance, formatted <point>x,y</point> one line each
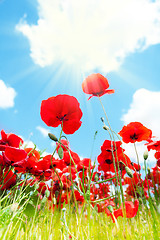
<point>20,219</point>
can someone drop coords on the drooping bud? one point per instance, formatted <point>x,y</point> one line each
<point>53,137</point>
<point>96,177</point>
<point>102,119</point>
<point>129,172</point>
<point>64,209</point>
<point>88,195</point>
<point>105,127</point>
<point>47,193</point>
<point>60,152</point>
<point>145,155</point>
<point>110,208</point>
<point>36,186</point>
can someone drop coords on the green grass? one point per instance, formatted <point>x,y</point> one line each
<point>25,224</point>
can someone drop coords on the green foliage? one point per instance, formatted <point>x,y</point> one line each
<point>27,221</point>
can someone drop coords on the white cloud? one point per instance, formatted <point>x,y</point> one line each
<point>141,148</point>
<point>91,34</point>
<point>43,131</point>
<point>145,108</point>
<point>28,144</point>
<point>7,95</point>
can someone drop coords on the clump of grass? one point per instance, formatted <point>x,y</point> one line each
<point>21,222</point>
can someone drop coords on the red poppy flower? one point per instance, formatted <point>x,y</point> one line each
<point>96,84</point>
<point>68,160</point>
<point>135,132</point>
<point>15,157</point>
<point>7,179</point>
<point>62,109</point>
<point>84,164</point>
<point>130,207</point>
<point>154,145</point>
<point>9,139</point>
<point>64,145</point>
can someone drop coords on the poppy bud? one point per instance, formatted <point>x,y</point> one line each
<point>54,201</point>
<point>60,152</point>
<point>105,127</point>
<point>129,172</point>
<point>88,195</point>
<point>47,193</point>
<point>158,209</point>
<point>56,194</point>
<point>64,210</point>
<point>44,199</point>
<point>36,186</point>
<point>53,137</point>
<point>145,155</point>
<point>96,177</point>
<point>102,119</point>
<point>110,208</point>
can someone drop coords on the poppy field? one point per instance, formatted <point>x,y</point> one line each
<point>62,196</point>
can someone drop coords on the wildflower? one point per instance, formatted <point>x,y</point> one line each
<point>97,85</point>
<point>64,110</point>
<point>131,210</point>
<point>9,139</point>
<point>135,132</point>
<point>14,156</point>
<point>154,145</point>
<point>7,179</point>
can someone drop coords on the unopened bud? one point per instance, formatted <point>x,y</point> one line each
<point>105,127</point>
<point>64,210</point>
<point>110,208</point>
<point>47,193</point>
<point>88,195</point>
<point>36,186</point>
<point>129,172</point>
<point>60,152</point>
<point>53,137</point>
<point>102,119</point>
<point>158,208</point>
<point>54,201</point>
<point>44,199</point>
<point>145,155</point>
<point>96,177</point>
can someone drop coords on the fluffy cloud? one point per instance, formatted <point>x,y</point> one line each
<point>91,34</point>
<point>145,108</point>
<point>43,131</point>
<point>7,96</point>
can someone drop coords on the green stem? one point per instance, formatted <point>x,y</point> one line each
<point>114,162</point>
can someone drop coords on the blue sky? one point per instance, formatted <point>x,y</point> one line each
<point>48,48</point>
